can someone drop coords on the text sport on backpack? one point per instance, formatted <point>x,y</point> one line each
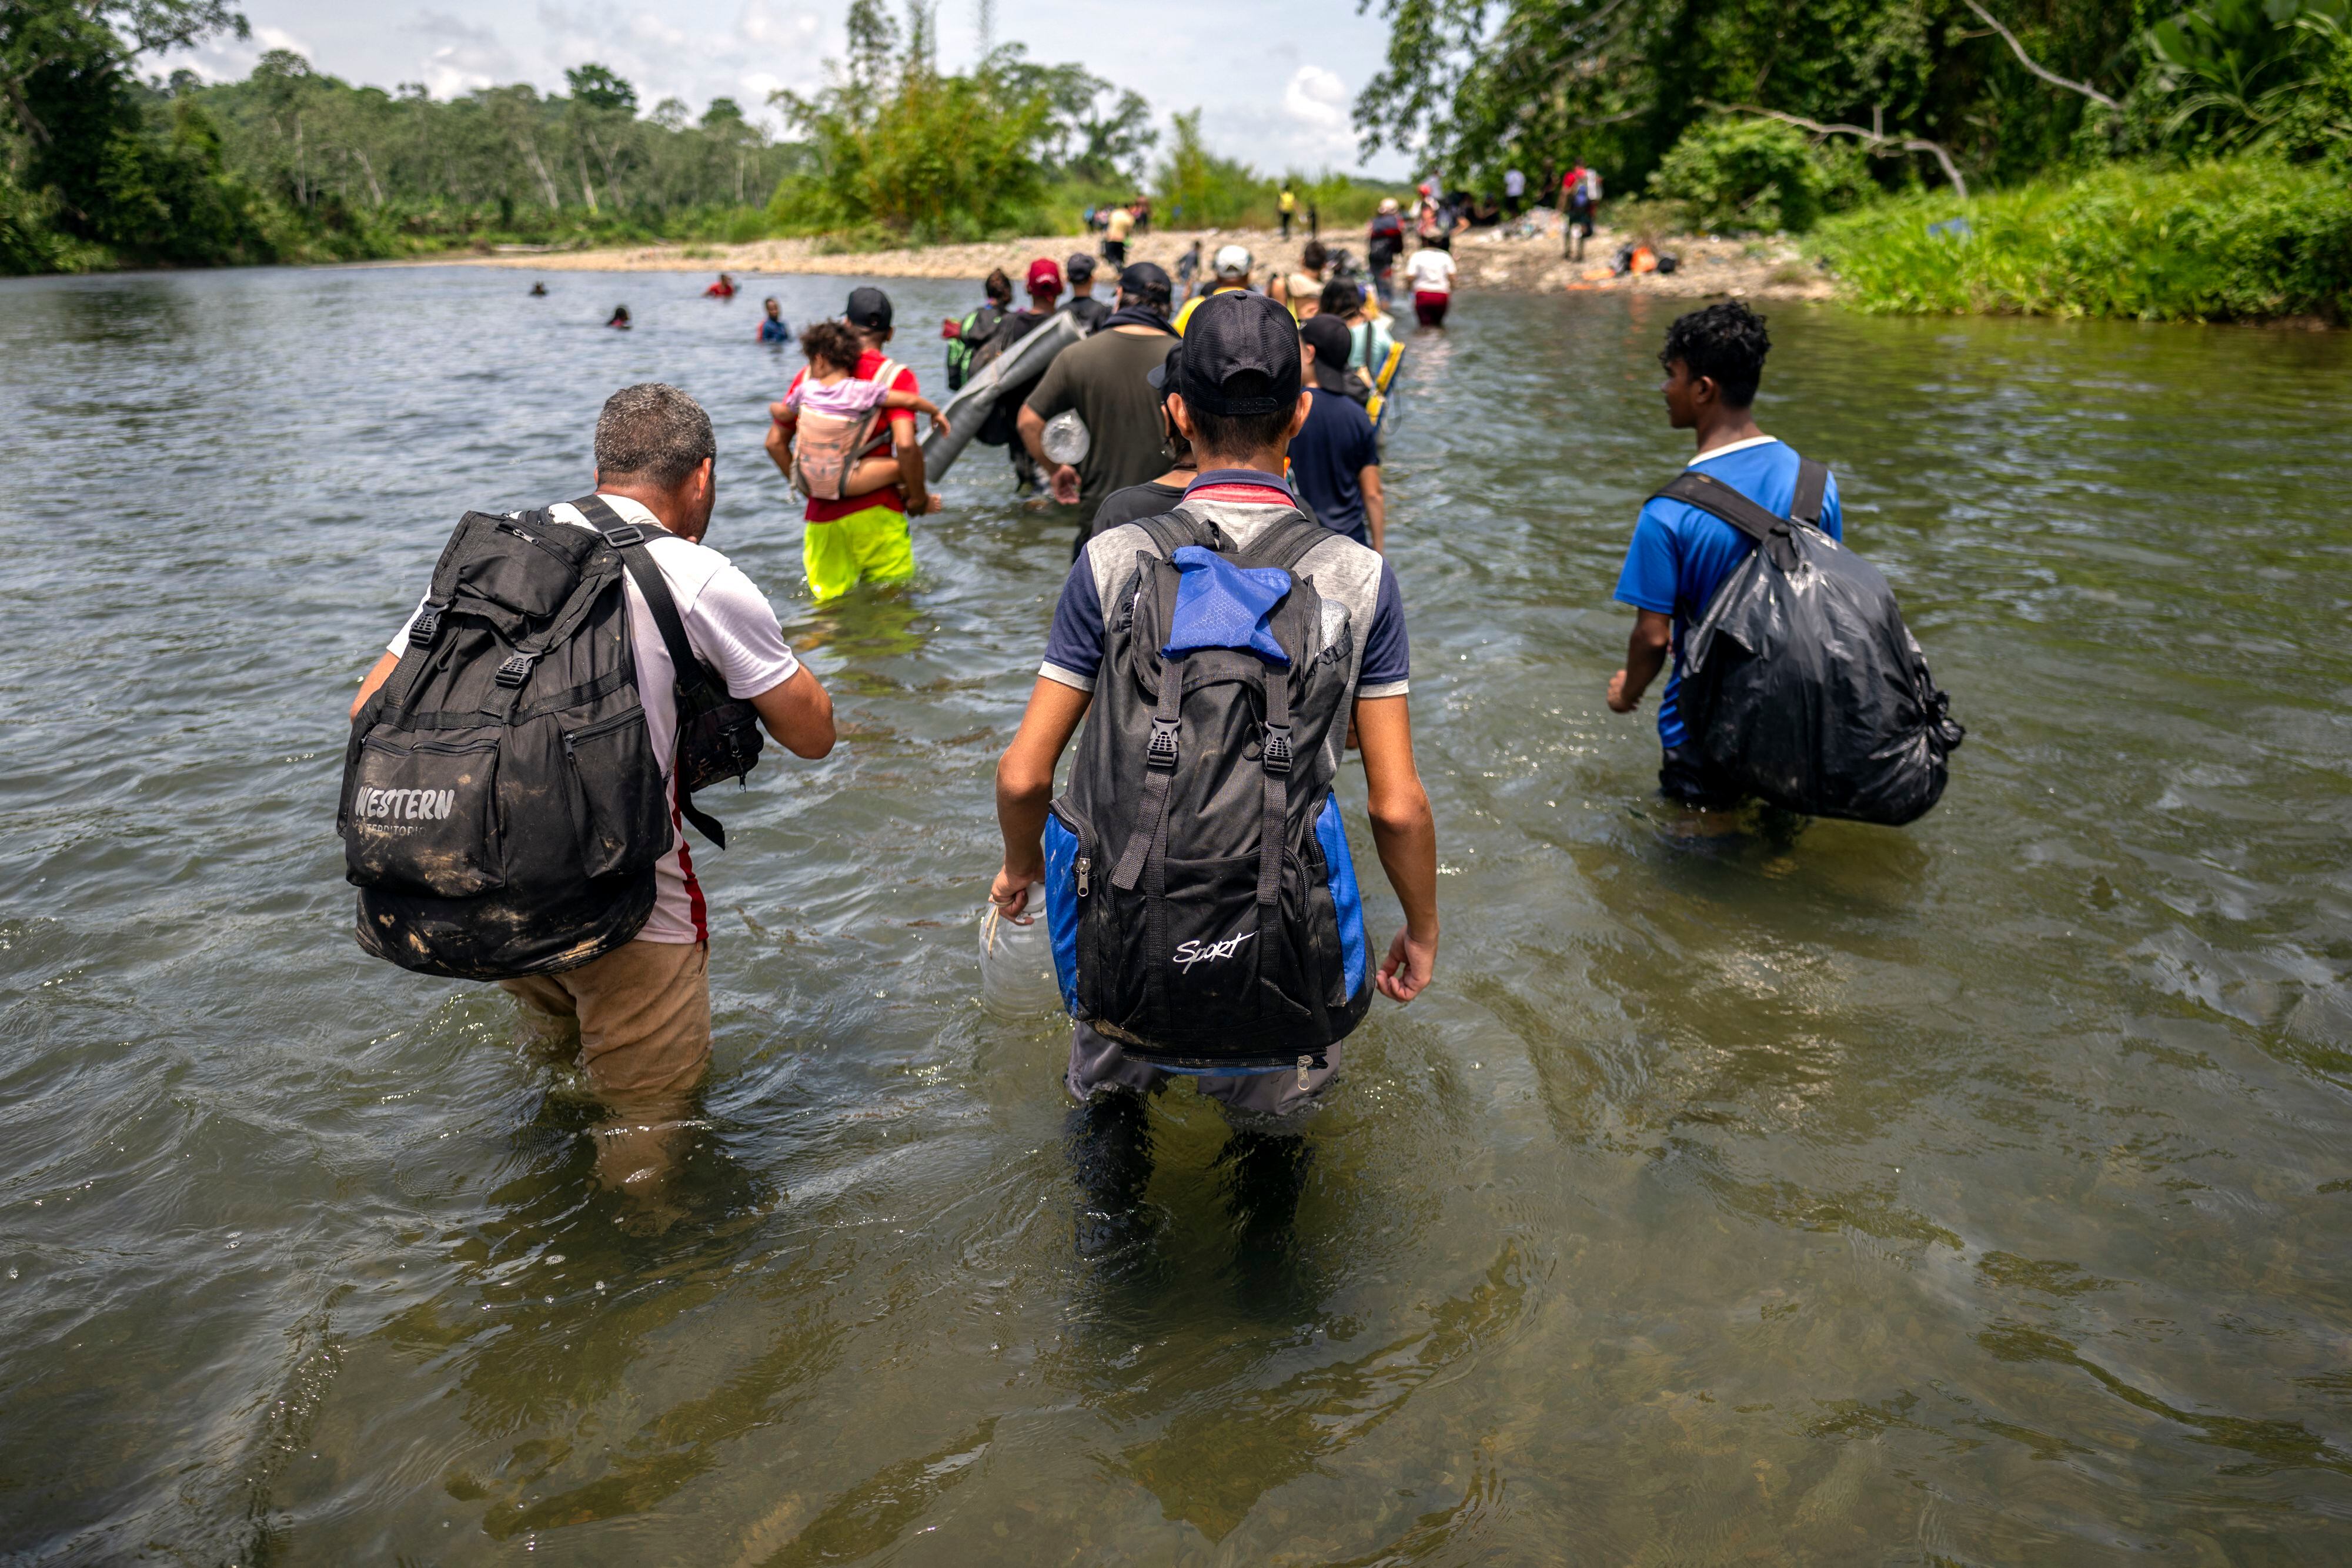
<point>1800,682</point>
<point>1201,898</point>
<point>502,807</point>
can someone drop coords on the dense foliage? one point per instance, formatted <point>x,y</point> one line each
<point>2234,238</point>
<point>2006,89</point>
<point>900,147</point>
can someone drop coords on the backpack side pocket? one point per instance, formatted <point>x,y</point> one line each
<point>617,798</point>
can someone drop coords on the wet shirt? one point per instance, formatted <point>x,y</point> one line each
<point>1327,458</point>
<point>1680,555</point>
<point>772,330</point>
<point>869,365</point>
<point>731,628</point>
<point>1241,502</point>
<point>1103,379</point>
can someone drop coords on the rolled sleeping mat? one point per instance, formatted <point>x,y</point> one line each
<point>966,412</point>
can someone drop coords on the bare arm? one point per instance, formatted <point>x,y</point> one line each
<point>909,453</point>
<point>1646,655</point>
<point>1406,835</point>
<point>373,680</point>
<point>1376,506</point>
<point>779,445</point>
<point>1025,788</point>
<point>799,714</point>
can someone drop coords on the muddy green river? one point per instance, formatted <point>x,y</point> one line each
<point>1974,1193</point>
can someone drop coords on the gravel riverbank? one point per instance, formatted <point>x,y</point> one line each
<point>1490,259</point>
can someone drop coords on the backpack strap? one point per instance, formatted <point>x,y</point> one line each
<point>692,677</point>
<point>1717,499</point>
<point>1285,542</point>
<point>1813,491</point>
<point>1147,842</point>
<point>1275,758</point>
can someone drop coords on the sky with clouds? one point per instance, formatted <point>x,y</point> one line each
<point>1275,81</point>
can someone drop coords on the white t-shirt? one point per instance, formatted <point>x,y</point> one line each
<point>729,626</point>
<point>1431,271</point>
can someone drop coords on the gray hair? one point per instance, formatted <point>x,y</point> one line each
<point>652,432</point>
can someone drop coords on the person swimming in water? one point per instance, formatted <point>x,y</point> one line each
<point>722,289</point>
<point>539,291</point>
<point>620,317</point>
<point>773,326</point>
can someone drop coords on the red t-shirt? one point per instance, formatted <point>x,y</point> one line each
<point>890,495</point>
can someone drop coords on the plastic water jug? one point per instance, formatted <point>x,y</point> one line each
<point>1016,962</point>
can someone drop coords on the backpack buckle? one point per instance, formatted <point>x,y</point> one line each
<point>516,670</point>
<point>421,632</point>
<point>1277,756</point>
<point>624,536</point>
<point>1163,750</point>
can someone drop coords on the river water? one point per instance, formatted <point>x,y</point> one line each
<point>1972,1193</point>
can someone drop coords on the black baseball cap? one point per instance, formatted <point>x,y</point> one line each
<point>869,309</point>
<point>1146,281</point>
<point>1164,376</point>
<point>1330,337</point>
<point>1080,266</point>
<point>1241,356</point>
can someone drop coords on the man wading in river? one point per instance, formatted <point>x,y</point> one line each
<point>643,1008</point>
<point>1714,360</point>
<point>1243,970</point>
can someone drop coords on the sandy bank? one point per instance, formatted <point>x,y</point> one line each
<point>1489,259</point>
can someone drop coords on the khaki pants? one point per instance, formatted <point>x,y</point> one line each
<point>643,1016</point>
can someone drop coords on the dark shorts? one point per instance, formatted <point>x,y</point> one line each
<point>1684,779</point>
<point>1115,254</point>
<point>1580,217</point>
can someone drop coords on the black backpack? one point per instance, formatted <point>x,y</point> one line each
<point>1199,889</point>
<point>502,808</point>
<point>1800,682</point>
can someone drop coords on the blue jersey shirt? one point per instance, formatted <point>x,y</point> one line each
<point>1680,555</point>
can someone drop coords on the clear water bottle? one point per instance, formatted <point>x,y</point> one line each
<point>1016,962</point>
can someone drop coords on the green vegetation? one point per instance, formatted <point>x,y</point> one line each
<point>2234,238</point>
<point>2125,157</point>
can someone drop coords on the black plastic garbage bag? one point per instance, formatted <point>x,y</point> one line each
<point>1801,683</point>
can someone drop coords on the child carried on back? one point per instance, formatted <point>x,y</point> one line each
<point>835,413</point>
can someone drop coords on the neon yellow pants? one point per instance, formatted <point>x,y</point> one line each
<point>872,543</point>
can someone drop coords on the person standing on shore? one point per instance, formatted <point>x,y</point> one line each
<point>1107,378</point>
<point>1116,226</point>
<point>1287,204</point>
<point>863,536</point>
<point>1579,195</point>
<point>1431,272</point>
<point>1714,360</point>
<point>1514,191</point>
<point>1188,270</point>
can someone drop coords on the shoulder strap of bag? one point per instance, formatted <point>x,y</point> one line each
<point>693,677</point>
<point>629,539</point>
<point>1717,499</point>
<point>1813,491</point>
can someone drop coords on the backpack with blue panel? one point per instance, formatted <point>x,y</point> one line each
<point>1202,902</point>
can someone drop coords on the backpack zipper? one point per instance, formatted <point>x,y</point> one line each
<point>1084,867</point>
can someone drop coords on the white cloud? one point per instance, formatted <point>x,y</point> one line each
<point>768,45</point>
<point>461,56</point>
<point>1315,101</point>
<point>228,58</point>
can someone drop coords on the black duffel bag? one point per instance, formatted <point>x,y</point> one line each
<point>1801,683</point>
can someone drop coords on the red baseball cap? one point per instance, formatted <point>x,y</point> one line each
<point>1045,276</point>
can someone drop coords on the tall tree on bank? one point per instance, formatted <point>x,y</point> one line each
<point>1474,85</point>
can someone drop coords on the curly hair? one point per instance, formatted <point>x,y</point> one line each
<point>832,343</point>
<point>1726,341</point>
<point>998,287</point>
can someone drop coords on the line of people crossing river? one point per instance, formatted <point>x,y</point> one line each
<point>525,754</point>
